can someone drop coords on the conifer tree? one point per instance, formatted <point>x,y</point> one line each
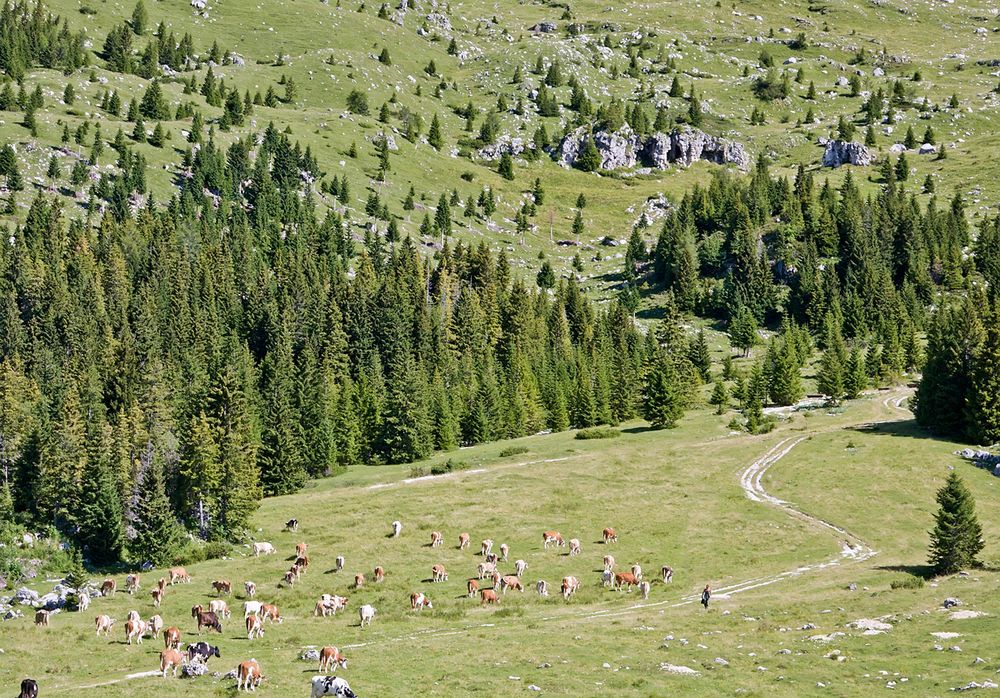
<point>98,515</point>
<point>663,396</point>
<point>156,533</point>
<point>719,397</point>
<point>506,166</point>
<point>743,330</point>
<point>984,390</point>
<point>957,538</point>
<point>434,137</point>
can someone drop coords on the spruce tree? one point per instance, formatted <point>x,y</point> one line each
<point>957,538</point>
<point>663,397</point>
<point>156,533</point>
<point>434,136</point>
<point>98,515</point>
<point>743,330</point>
<point>719,397</point>
<point>984,390</point>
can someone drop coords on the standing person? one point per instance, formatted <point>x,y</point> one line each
<point>706,594</point>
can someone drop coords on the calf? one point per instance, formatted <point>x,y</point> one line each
<point>109,587</point>
<point>134,630</point>
<point>331,657</point>
<point>519,567</point>
<point>339,563</point>
<point>154,625</point>
<point>644,589</point>
<point>504,551</point>
<point>29,689</point>
<point>132,583</point>
<point>207,619</point>
<point>248,676</point>
<point>609,563</point>
<point>511,582</point>
<point>300,549</point>
<point>668,574</point>
<point>219,607</point>
<point>463,541</point>
<point>473,586</point>
<point>262,548</point>
<point>607,578</point>
<point>396,529</point>
<point>251,608</point>
<point>222,586</point>
<point>379,574</point>
<point>202,652</point>
<point>290,577</point>
<point>418,601</point>
<point>270,612</point>
<point>104,624</point>
<point>542,587</point>
<point>485,569</point>
<point>157,595</point>
<point>250,588</point>
<point>486,547</point>
<point>172,638</point>
<point>292,525</point>
<point>170,659</point>
<point>302,562</point>
<point>610,536</point>
<point>569,586</point>
<point>637,571</point>
<point>574,546</point>
<point>625,579</point>
<point>331,686</point>
<point>439,574</point>
<point>42,617</point>
<point>161,584</point>
<point>178,574</point>
<point>367,613</point>
<point>359,581</point>
<point>488,596</point>
<point>436,539</point>
<point>255,627</point>
<point>552,537</point>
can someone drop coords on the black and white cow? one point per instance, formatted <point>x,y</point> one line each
<point>331,686</point>
<point>202,652</point>
<point>29,689</point>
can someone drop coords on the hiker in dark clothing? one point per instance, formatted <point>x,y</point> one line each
<point>706,595</point>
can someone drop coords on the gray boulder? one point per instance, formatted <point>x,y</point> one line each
<point>545,27</point>
<point>192,669</point>
<point>504,144</point>
<point>618,149</point>
<point>310,656</point>
<point>51,601</point>
<point>686,145</point>
<point>839,153</point>
<point>951,602</point>
<point>25,597</point>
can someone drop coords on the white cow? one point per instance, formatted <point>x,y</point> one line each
<point>609,563</point>
<point>607,578</point>
<point>251,589</point>
<point>644,589</point>
<point>83,601</point>
<point>340,563</point>
<point>367,613</point>
<point>637,571</point>
<point>219,607</point>
<point>519,567</point>
<point>542,587</point>
<point>396,529</point>
<point>504,551</point>
<point>331,686</point>
<point>251,608</point>
<point>262,548</point>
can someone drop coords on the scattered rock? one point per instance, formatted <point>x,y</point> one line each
<point>974,684</point>
<point>675,669</point>
<point>721,662</point>
<point>310,656</point>
<point>192,669</point>
<point>964,615</point>
<point>839,153</point>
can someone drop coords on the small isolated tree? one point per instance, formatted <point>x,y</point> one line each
<point>957,537</point>
<point>506,166</point>
<point>546,276</point>
<point>720,397</point>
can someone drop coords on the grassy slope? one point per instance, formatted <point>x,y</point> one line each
<point>673,496</point>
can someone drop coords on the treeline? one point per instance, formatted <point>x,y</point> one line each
<point>31,36</point>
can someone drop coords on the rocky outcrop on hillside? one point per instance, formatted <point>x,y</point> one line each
<point>839,153</point>
<point>682,146</point>
<point>504,144</point>
<point>618,149</point>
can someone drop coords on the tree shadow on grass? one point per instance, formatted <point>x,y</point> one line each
<point>903,428</point>
<point>638,430</point>
<point>923,571</point>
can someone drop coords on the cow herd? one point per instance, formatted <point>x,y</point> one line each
<point>488,584</point>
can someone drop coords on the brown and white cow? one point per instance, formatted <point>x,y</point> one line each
<point>222,586</point>
<point>290,577</point>
<point>542,587</point>
<point>154,625</point>
<point>329,605</point>
<point>504,551</point>
<point>132,583</point>
<point>488,596</point>
<point>574,546</point>
<point>485,569</point>
<point>248,676</point>
<point>569,586</point>
<point>359,581</point>
<point>625,579</point>
<point>418,601</point>
<point>439,574</point>
<point>134,630</point>
<point>511,582</point>
<point>610,536</point>
<point>178,574</point>
<point>552,537</point>
<point>519,567</point>
<point>104,624</point>
<point>219,607</point>
<point>172,638</point>
<point>486,547</point>
<point>109,587</point>
<point>609,563</point>
<point>463,541</point>
<point>331,658</point>
<point>473,586</point>
<point>668,574</point>
<point>170,659</point>
<point>255,627</point>
<point>42,617</point>
<point>436,539</point>
<point>269,611</point>
<point>250,588</point>
<point>379,574</point>
<point>132,615</point>
<point>300,549</point>
<point>302,562</point>
<point>157,595</point>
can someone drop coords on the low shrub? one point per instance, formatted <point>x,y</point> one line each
<point>450,465</point>
<point>910,581</point>
<point>597,433</point>
<point>513,451</point>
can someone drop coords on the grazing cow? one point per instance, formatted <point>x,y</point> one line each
<point>473,586</point>
<point>463,541</point>
<point>418,601</point>
<point>542,587</point>
<point>331,658</point>
<point>637,571</point>
<point>519,567</point>
<point>668,574</point>
<point>379,574</point>
<point>300,549</point>
<point>42,617</point>
<point>292,525</point>
<point>552,537</point>
<point>157,595</point>
<point>302,562</point>
<point>439,574</point>
<point>262,548</point>
<point>574,546</point>
<point>250,588</point>
<point>161,584</point>
<point>625,579</point>
<point>222,586</point>
<point>270,612</point>
<point>359,581</point>
<point>290,577</point>
<point>251,608</point>
<point>397,528</point>
<point>328,604</point>
<point>486,547</point>
<point>485,569</point>
<point>436,539</point>
<point>207,619</point>
<point>29,689</point>
<point>104,624</point>
<point>132,615</point>
<point>134,630</point>
<point>607,578</point>
<point>497,578</point>
<point>609,563</point>
<point>511,582</point>
<point>367,613</point>
<point>179,574</point>
<point>255,627</point>
<point>339,563</point>
<point>132,583</point>
<point>331,686</point>
<point>492,557</point>
<point>172,638</point>
<point>610,536</point>
<point>202,652</point>
<point>248,676</point>
<point>569,586</point>
<point>504,551</point>
<point>488,596</point>
<point>83,601</point>
<point>644,589</point>
<point>170,659</point>
<point>219,607</point>
<point>154,625</point>
<point>109,587</point>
